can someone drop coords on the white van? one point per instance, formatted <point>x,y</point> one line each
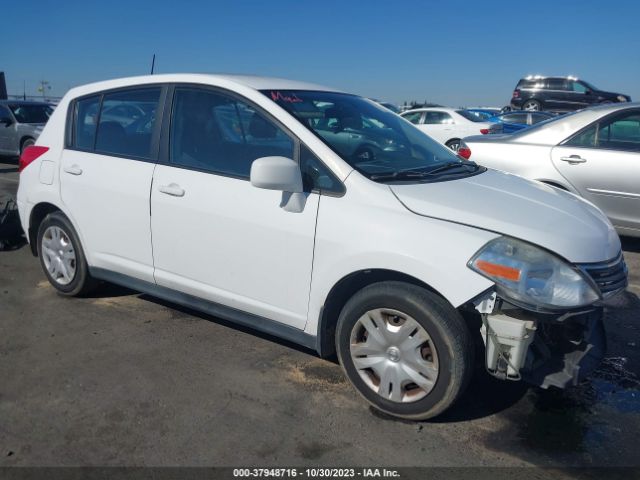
<point>327,220</point>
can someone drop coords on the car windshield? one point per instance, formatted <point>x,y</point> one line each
<point>26,113</point>
<point>376,142</point>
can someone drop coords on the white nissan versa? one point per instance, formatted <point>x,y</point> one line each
<point>327,220</point>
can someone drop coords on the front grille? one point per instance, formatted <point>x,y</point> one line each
<point>611,276</point>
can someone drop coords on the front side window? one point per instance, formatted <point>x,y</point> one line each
<point>126,122</point>
<point>31,113</point>
<point>218,133</point>
<point>578,87</point>
<point>619,133</point>
<point>371,139</point>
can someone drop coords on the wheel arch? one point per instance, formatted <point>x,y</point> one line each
<point>343,290</point>
<point>37,215</point>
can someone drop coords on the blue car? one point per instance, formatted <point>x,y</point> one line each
<point>510,122</point>
<point>484,114</point>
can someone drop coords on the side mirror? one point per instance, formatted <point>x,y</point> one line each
<point>6,121</point>
<point>587,92</point>
<point>276,173</point>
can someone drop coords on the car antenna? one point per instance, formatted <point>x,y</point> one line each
<point>153,63</point>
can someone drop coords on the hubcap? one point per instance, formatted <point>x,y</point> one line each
<point>58,255</point>
<point>394,355</point>
<point>530,106</point>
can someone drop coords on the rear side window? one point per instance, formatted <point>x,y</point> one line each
<point>437,118</point>
<point>556,84</point>
<point>127,120</point>
<point>218,133</point>
<point>86,122</point>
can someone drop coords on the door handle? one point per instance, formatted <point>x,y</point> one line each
<point>172,189</point>
<point>73,170</point>
<point>573,159</point>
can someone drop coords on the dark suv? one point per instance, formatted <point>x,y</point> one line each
<point>559,94</point>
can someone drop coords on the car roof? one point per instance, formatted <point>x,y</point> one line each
<point>428,109</point>
<point>254,82</point>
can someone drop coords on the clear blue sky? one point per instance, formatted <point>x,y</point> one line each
<point>452,52</point>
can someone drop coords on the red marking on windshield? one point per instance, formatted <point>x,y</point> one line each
<point>290,98</point>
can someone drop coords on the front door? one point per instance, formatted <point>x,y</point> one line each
<point>216,236</point>
<point>603,163</point>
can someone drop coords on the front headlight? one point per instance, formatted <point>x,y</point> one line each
<point>532,276</point>
<point>622,98</point>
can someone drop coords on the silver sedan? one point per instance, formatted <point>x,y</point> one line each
<point>593,153</point>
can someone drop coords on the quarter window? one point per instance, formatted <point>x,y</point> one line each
<point>127,120</point>
<point>413,117</point>
<point>214,132</point>
<point>86,121</point>
<point>315,175</point>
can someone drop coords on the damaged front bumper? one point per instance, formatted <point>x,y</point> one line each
<point>542,349</point>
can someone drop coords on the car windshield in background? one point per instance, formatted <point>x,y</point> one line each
<point>26,113</point>
<point>473,116</point>
<point>373,140</point>
<point>537,126</point>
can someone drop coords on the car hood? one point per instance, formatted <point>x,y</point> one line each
<point>510,205</point>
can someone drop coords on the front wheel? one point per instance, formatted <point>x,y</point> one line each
<point>405,349</point>
<point>61,256</point>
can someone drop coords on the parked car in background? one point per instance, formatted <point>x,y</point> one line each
<point>20,124</point>
<point>593,153</point>
<point>389,106</point>
<point>447,125</point>
<point>484,114</point>
<point>562,94</point>
<point>510,122</point>
<point>399,264</point>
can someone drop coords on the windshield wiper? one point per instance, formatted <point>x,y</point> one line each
<point>410,174</point>
<point>451,165</point>
<point>398,175</point>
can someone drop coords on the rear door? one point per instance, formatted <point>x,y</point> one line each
<point>603,163</point>
<point>438,125</point>
<point>215,235</point>
<point>106,174</point>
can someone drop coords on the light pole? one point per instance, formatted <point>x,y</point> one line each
<point>44,86</point>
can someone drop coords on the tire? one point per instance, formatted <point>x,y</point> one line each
<point>532,106</point>
<point>56,235</point>
<point>453,144</point>
<point>448,347</point>
<point>27,142</point>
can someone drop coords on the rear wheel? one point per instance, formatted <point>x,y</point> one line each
<point>532,105</point>
<point>61,256</point>
<point>27,142</point>
<point>453,144</point>
<point>405,349</point>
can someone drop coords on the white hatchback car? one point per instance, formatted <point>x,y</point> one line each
<point>447,125</point>
<point>237,196</point>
